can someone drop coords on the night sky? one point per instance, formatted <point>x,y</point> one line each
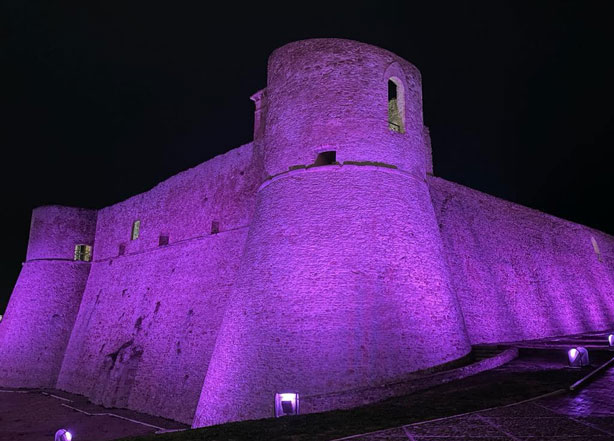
<point>103,100</point>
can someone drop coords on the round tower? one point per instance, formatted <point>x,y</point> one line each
<point>343,283</point>
<point>44,304</point>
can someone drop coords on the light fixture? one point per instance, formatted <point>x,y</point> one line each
<point>63,435</point>
<point>286,403</point>
<point>611,339</point>
<point>578,357</point>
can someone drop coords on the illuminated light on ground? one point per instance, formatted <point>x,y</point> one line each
<point>286,404</point>
<point>578,357</point>
<point>63,435</point>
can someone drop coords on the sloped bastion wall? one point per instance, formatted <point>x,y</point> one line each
<point>46,299</point>
<point>150,316</point>
<point>323,258</point>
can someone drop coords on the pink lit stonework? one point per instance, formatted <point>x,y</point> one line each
<point>257,273</point>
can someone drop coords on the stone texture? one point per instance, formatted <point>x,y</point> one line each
<point>39,319</point>
<point>521,274</point>
<point>278,276</point>
<point>55,230</point>
<point>327,302</point>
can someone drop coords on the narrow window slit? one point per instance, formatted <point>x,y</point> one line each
<point>215,227</point>
<point>395,107</point>
<point>83,253</point>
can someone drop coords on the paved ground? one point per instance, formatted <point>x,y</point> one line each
<point>33,416</point>
<point>587,416</point>
<point>583,416</point>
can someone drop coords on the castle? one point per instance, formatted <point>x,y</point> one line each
<point>320,259</point>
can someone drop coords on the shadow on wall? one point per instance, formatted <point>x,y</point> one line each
<point>118,374</point>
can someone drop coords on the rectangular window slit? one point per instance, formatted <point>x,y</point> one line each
<point>326,158</point>
<point>83,253</point>
<point>163,240</point>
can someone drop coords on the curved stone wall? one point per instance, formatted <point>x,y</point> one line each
<point>55,230</point>
<point>332,94</point>
<point>39,318</point>
<point>342,284</point>
<point>44,304</point>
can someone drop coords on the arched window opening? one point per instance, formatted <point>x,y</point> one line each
<point>136,230</point>
<point>326,158</point>
<point>395,106</point>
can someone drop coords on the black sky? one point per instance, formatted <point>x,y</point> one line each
<point>102,100</point>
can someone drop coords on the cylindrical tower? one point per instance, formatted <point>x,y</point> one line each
<point>44,304</point>
<point>343,282</point>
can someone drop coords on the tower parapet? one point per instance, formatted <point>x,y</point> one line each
<point>363,102</point>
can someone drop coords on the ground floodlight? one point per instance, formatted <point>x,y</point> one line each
<point>63,435</point>
<point>611,339</point>
<point>578,357</point>
<point>286,404</point>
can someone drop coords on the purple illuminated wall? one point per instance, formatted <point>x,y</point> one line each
<point>521,274</point>
<point>149,319</point>
<point>320,279</point>
<point>343,268</point>
<point>46,298</point>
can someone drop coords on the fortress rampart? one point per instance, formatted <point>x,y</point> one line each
<point>520,274</point>
<point>151,311</point>
<point>44,304</point>
<point>321,258</point>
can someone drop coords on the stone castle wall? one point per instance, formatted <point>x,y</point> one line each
<point>327,301</point>
<point>521,274</point>
<point>44,304</point>
<point>149,317</point>
<point>343,271</point>
<point>256,272</point>
<point>331,94</point>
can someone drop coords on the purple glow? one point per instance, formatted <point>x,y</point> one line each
<point>325,279</point>
<point>286,404</point>
<point>63,435</point>
<point>578,357</point>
